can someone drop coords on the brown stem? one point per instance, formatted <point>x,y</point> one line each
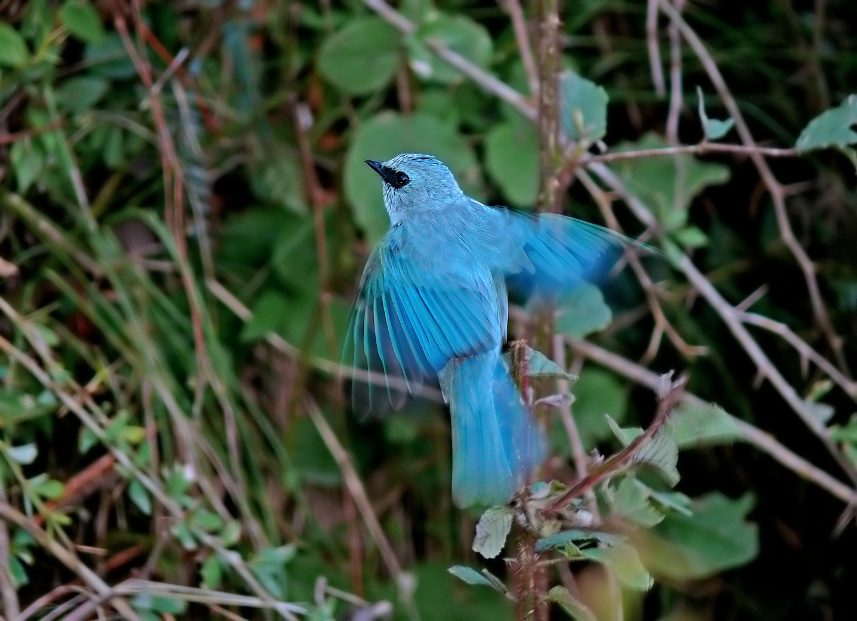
<point>668,400</point>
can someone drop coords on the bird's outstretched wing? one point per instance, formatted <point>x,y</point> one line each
<point>563,251</point>
<point>407,324</point>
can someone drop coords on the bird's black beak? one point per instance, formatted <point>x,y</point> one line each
<point>387,173</point>
<point>378,167</point>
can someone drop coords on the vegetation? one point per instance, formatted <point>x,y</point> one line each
<point>184,214</point>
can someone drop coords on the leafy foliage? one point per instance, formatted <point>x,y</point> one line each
<point>184,212</point>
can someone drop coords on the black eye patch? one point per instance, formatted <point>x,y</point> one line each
<point>394,178</point>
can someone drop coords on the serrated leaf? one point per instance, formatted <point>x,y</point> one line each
<point>631,500</point>
<point>362,57</point>
<point>512,161</point>
<point>457,33</point>
<point>833,128</point>
<point>576,609</point>
<point>386,135</point>
<point>659,452</point>
<point>13,48</point>
<point>693,425</point>
<point>716,537</point>
<point>714,129</point>
<point>82,20</point>
<point>582,311</point>
<point>491,531</point>
<point>583,107</point>
<point>625,563</point>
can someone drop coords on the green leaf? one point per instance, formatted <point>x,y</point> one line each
<point>310,456</point>
<point>492,530</point>
<point>692,425</point>
<point>713,128</point>
<point>48,488</point>
<point>140,497</point>
<point>625,563</point>
<point>13,48</point>
<point>582,311</point>
<point>715,538</point>
<point>109,59</point>
<point>145,601</point>
<point>277,178</point>
<point>691,237</point>
<point>631,500</point>
<point>667,184</point>
<point>206,520</point>
<point>512,161</point>
<point>211,572</point>
<point>269,567</point>
<point>387,135</point>
<point>361,58</point>
<point>583,107</point>
<point>456,32</point>
<point>559,540</point>
<point>28,158</point>
<point>833,128</point>
<point>659,452</point>
<point>671,501</point>
<point>469,575</point>
<point>18,573</point>
<point>576,609</point>
<point>82,20</point>
<point>80,93</point>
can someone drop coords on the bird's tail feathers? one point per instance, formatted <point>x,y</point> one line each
<point>496,445</point>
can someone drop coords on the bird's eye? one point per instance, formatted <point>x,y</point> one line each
<point>401,180</point>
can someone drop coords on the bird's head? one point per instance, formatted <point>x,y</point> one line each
<point>415,182</point>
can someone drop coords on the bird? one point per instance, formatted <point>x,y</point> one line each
<point>432,309</point>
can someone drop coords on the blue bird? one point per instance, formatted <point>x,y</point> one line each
<point>433,308</point>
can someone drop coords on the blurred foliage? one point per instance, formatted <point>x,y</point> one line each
<point>184,213</point>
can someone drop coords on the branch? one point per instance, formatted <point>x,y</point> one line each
<point>770,181</point>
<point>762,440</point>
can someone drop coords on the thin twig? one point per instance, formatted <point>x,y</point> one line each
<point>770,181</point>
<point>358,493</point>
<point>67,558</point>
<point>654,48</point>
<point>7,588</point>
<point>669,396</point>
<point>480,77</point>
<point>730,317</point>
<point>693,149</point>
<point>522,38</point>
<point>762,440</point>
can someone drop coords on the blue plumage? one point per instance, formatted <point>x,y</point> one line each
<point>433,307</point>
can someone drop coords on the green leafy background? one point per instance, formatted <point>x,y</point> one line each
<point>179,251</point>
